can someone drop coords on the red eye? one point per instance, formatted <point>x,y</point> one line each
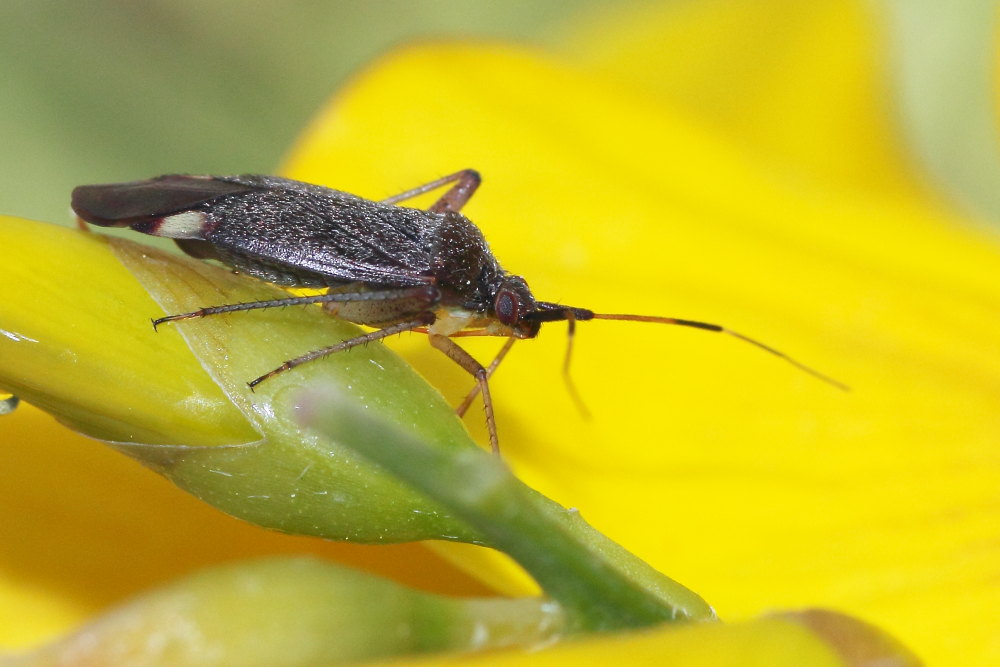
<point>507,307</point>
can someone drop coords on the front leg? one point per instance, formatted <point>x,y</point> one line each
<point>476,370</point>
<point>467,401</point>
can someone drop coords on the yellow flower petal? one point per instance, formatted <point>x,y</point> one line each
<point>742,478</point>
<point>798,86</point>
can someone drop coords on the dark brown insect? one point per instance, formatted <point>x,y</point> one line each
<point>384,266</point>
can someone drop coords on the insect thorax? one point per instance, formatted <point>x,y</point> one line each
<point>462,266</point>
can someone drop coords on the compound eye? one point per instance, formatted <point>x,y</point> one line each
<point>507,307</point>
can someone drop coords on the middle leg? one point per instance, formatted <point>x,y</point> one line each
<point>466,182</point>
<point>423,320</point>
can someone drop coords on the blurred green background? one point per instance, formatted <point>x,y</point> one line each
<point>111,90</point>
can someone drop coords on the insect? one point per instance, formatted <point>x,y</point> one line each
<point>384,266</point>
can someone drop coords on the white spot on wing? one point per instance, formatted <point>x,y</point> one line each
<point>186,225</point>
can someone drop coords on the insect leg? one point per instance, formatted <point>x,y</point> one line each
<point>464,405</point>
<point>466,182</point>
<point>474,368</point>
<point>425,293</point>
<point>423,320</point>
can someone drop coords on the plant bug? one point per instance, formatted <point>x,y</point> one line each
<point>384,266</point>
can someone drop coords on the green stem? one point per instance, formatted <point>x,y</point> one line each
<point>600,584</point>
